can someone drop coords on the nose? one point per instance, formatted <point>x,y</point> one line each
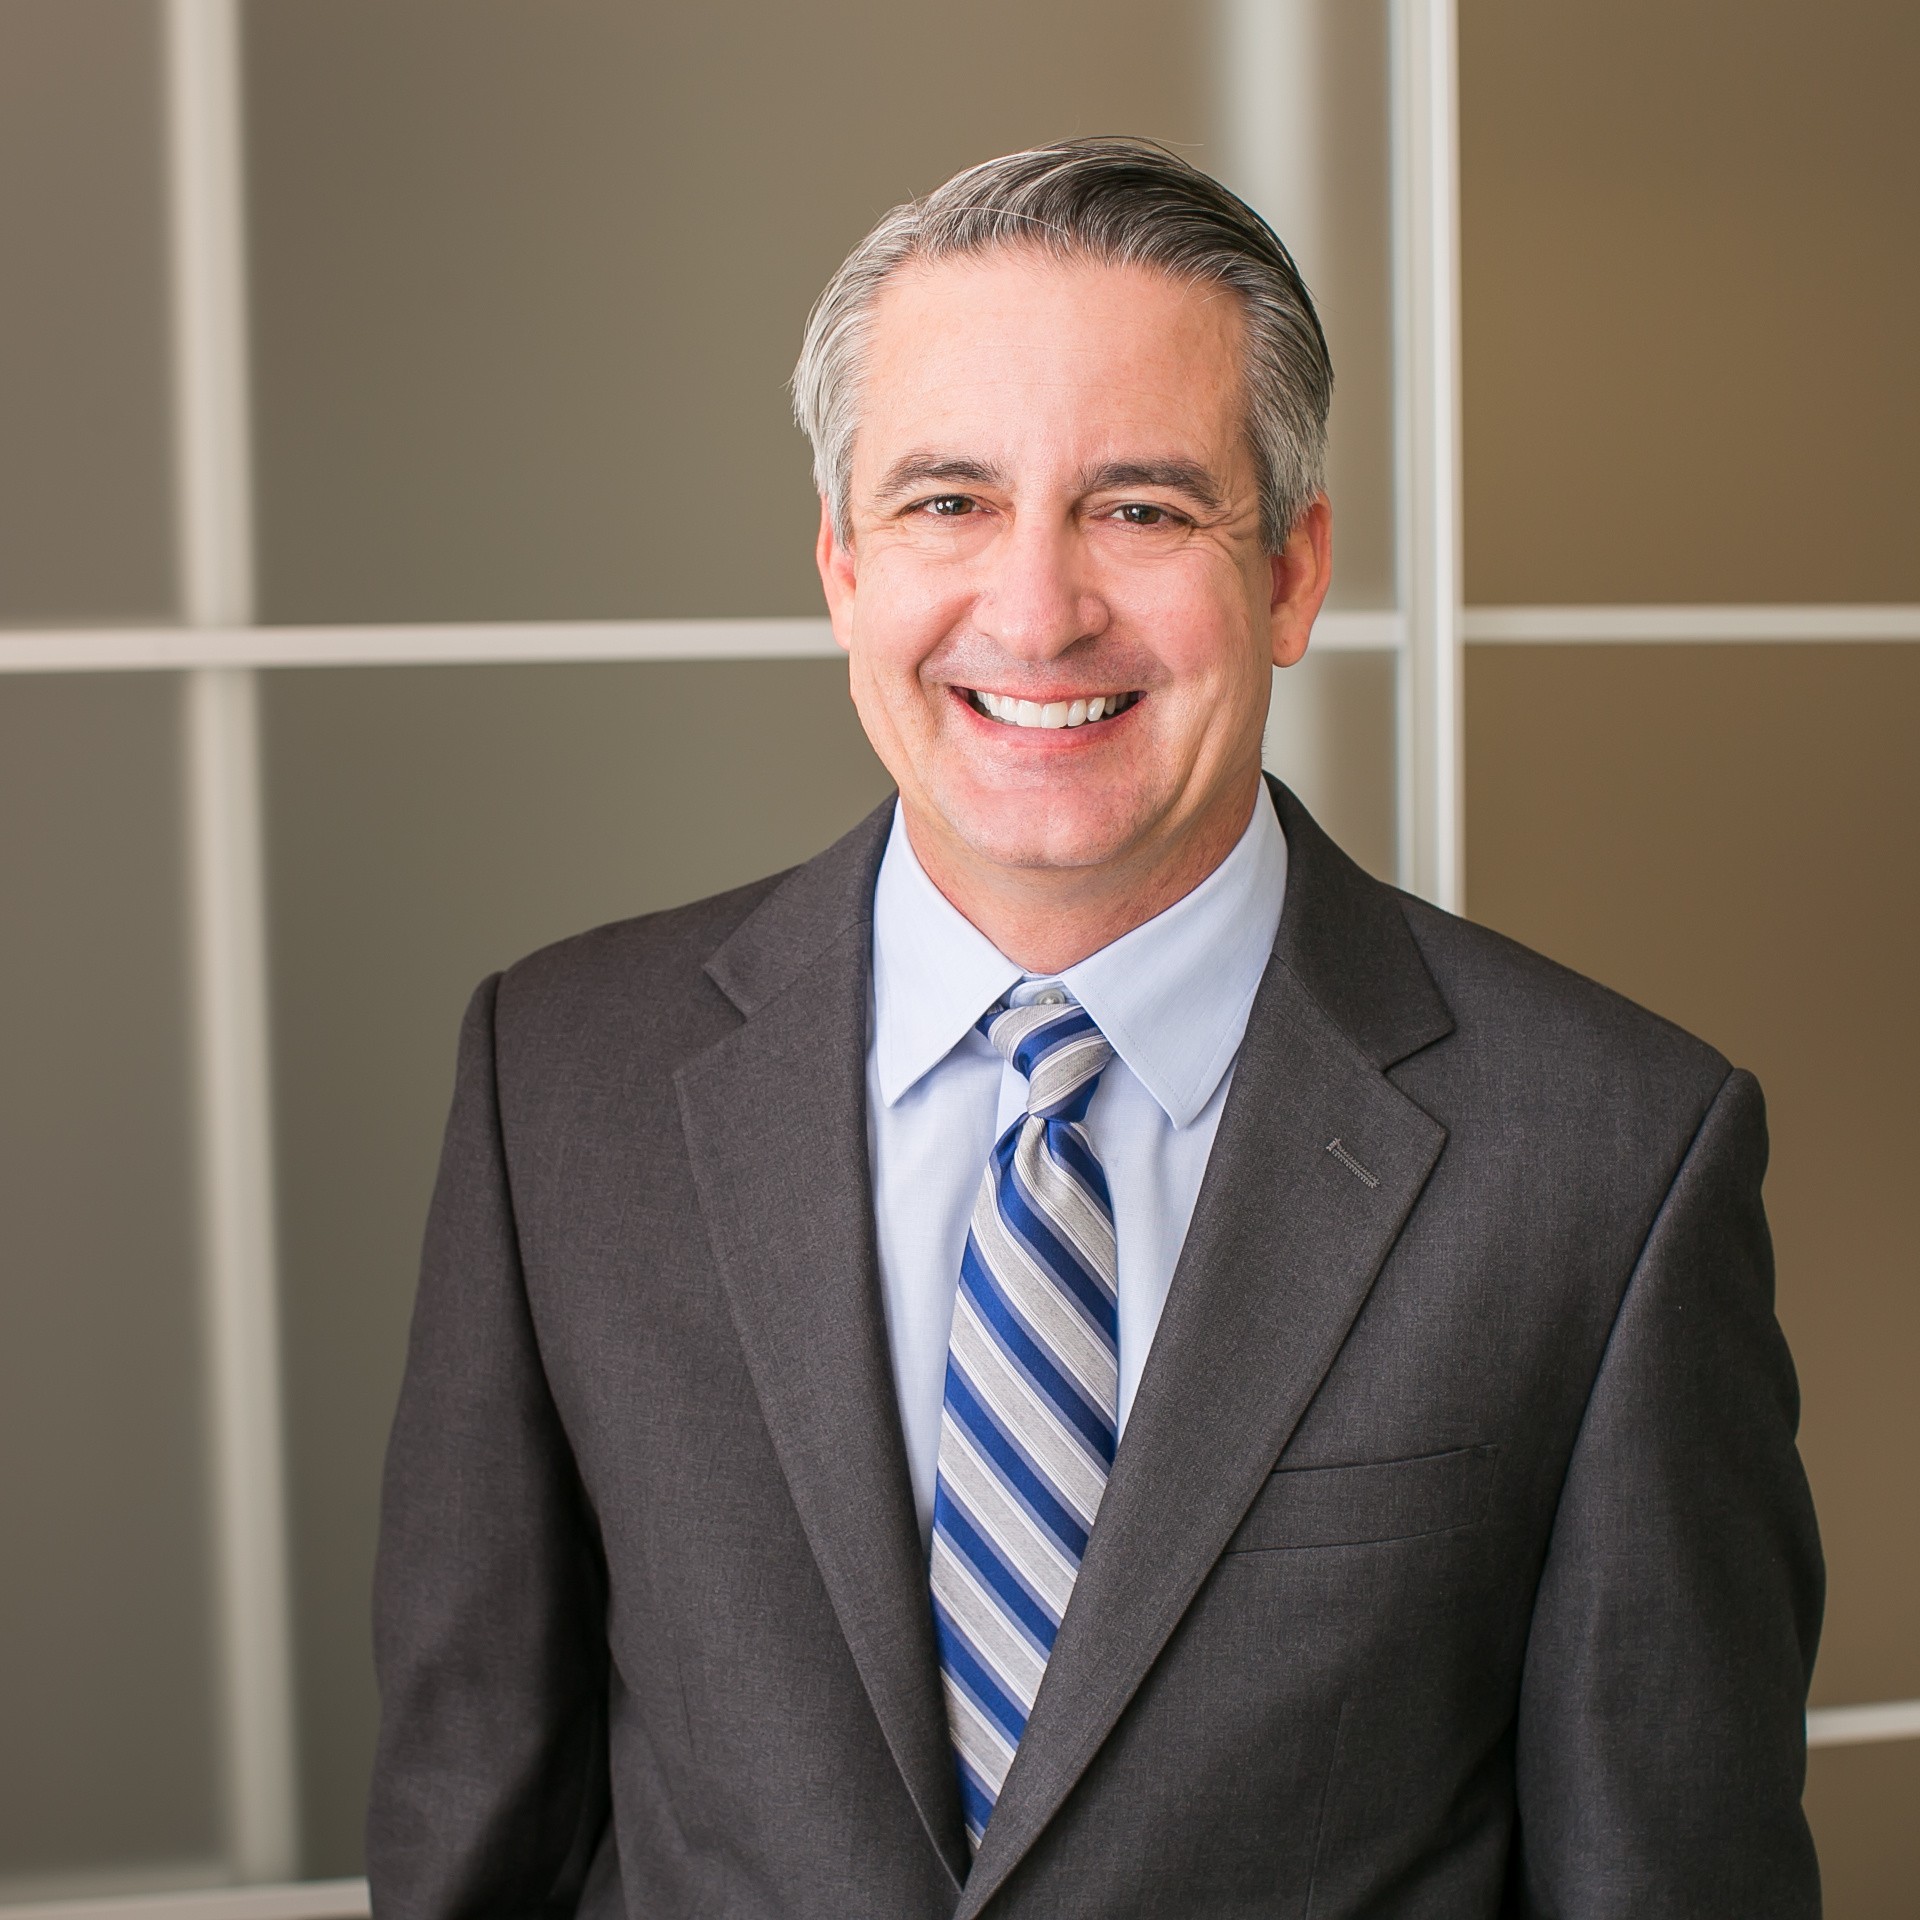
<point>1036,600</point>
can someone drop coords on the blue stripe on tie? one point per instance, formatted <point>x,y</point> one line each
<point>1035,1493</point>
<point>960,1661</point>
<point>1035,1046</point>
<point>1074,1107</point>
<point>976,1803</point>
<point>1073,1154</point>
<point>1070,1273</point>
<point>1016,1340</point>
<point>973,1549</point>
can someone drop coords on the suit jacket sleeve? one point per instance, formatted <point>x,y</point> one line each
<point>489,1788</point>
<point>1661,1739</point>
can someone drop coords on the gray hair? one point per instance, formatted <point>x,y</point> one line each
<point>1119,202</point>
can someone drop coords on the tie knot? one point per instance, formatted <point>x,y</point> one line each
<point>1056,1045</point>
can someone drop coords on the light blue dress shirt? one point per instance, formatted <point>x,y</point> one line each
<point>1172,997</point>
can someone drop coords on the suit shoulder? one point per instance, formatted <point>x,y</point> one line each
<point>631,977</point>
<point>1533,1008</point>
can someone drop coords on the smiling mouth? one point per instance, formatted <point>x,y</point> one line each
<point>1053,714</point>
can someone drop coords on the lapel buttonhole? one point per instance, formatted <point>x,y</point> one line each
<point>1352,1165</point>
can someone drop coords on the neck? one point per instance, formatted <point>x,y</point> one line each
<point>1045,919</point>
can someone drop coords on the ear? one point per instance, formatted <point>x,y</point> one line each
<point>835,562</point>
<point>1302,572</point>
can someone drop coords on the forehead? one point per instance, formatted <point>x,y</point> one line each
<point>1018,346</point>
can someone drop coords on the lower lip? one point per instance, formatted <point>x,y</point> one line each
<point>1046,739</point>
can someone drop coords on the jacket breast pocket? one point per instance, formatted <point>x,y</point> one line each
<point>1372,1501</point>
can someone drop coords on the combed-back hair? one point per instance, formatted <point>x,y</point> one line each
<point>1120,202</point>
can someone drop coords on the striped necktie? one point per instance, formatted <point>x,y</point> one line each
<point>1028,1424</point>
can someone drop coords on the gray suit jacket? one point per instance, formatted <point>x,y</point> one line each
<point>1457,1560</point>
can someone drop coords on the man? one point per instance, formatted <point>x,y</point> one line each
<point>1076,1355</point>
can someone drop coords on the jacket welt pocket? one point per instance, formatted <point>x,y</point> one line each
<point>1374,1501</point>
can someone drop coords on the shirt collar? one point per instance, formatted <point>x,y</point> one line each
<point>1172,996</point>
<point>934,972</point>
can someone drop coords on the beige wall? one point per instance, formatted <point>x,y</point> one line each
<point>1861,1801</point>
<point>1690,288</point>
<point>1731,835</point>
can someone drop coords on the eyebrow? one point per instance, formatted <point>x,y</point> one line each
<point>1178,476</point>
<point>917,469</point>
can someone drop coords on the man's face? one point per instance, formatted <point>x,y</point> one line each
<point>1059,609</point>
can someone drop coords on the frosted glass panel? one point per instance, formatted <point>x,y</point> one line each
<point>425,827</point>
<point>527,283</point>
<point>85,532</point>
<point>521,340</point>
<point>106,1719</point>
<point>1330,737</point>
<point>1301,130</point>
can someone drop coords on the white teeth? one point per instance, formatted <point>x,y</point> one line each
<point>1053,714</point>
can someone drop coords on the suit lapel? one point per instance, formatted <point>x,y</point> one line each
<point>1285,1242</point>
<point>775,1122</point>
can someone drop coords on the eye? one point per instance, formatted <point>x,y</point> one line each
<point>947,506</point>
<point>1143,513</point>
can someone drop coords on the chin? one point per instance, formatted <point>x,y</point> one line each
<point>1027,832</point>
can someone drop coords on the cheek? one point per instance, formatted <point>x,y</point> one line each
<point>1212,663</point>
<point>894,704</point>
<point>907,605</point>
<point>875,685</point>
<point>1196,614</point>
